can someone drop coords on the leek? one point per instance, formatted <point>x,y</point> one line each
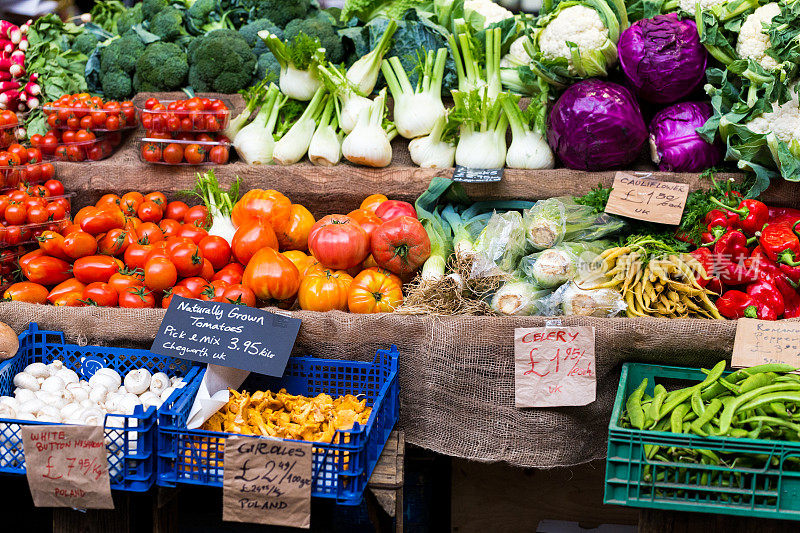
<point>439,231</point>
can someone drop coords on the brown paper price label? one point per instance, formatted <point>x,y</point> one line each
<point>554,366</point>
<point>267,481</point>
<point>66,466</point>
<point>637,195</point>
<point>764,341</point>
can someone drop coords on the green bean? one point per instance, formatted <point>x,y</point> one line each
<point>699,426</point>
<point>714,375</point>
<point>681,396</point>
<point>677,416</point>
<point>730,410</point>
<point>766,399</point>
<point>774,421</point>
<point>759,369</point>
<point>634,406</point>
<point>658,400</point>
<point>697,403</point>
<point>738,432</point>
<point>757,381</point>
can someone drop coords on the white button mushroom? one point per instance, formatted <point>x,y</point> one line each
<point>23,395</point>
<point>54,367</point>
<point>113,374</point>
<point>67,375</point>
<point>92,417</point>
<point>98,394</point>
<point>37,370</point>
<point>69,410</point>
<point>137,381</point>
<point>159,383</point>
<point>53,384</point>
<point>102,379</point>
<point>24,380</point>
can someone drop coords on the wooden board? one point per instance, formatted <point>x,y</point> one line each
<point>388,476</point>
<point>498,497</point>
<point>656,521</point>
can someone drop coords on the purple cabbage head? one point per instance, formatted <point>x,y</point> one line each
<point>662,58</point>
<point>674,142</point>
<point>596,125</point>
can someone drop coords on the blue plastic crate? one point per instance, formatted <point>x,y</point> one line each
<point>130,439</point>
<point>340,469</point>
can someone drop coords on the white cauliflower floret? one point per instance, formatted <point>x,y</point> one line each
<point>491,12</point>
<point>516,56</point>
<point>577,24</point>
<point>753,40</point>
<point>783,121</point>
<point>691,5</point>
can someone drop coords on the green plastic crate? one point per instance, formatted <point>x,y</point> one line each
<point>769,491</point>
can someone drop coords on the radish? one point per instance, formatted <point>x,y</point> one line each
<point>8,85</point>
<point>32,102</point>
<point>9,65</point>
<point>10,96</point>
<point>10,31</point>
<point>5,76</point>
<point>32,88</point>
<point>23,44</point>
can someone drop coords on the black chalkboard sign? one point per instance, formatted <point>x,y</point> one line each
<point>227,334</point>
<point>477,175</point>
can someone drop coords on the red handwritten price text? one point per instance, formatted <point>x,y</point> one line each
<point>554,366</point>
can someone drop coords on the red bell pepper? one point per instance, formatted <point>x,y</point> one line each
<point>767,294</point>
<point>783,214</point>
<point>737,304</point>
<point>711,281</point>
<point>781,244</point>
<point>732,246</point>
<point>769,271</point>
<point>753,214</point>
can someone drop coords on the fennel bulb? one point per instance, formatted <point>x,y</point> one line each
<point>326,143</point>
<point>254,143</point>
<point>294,144</point>
<point>254,97</point>
<point>350,103</point>
<point>431,151</point>
<point>219,203</point>
<point>299,61</point>
<point>368,144</point>
<point>471,75</point>
<point>482,130</point>
<point>363,74</point>
<point>528,149</point>
<point>416,111</point>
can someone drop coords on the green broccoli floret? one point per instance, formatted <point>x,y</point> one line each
<point>321,28</point>
<point>220,61</point>
<point>150,8</point>
<point>281,12</point>
<point>85,43</point>
<point>250,33</point>
<point>162,67</point>
<point>121,53</point>
<point>204,16</point>
<point>267,67</point>
<point>167,24</point>
<point>117,85</point>
<point>129,18</point>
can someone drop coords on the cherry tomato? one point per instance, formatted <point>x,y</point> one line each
<point>195,284</point>
<point>160,274</point>
<point>176,210</point>
<point>192,232</point>
<point>218,155</point>
<point>198,216</point>
<point>194,154</point>
<point>149,211</point>
<point>173,154</point>
<point>183,292</point>
<point>126,278</point>
<point>149,233</point>
<point>137,298</point>
<point>151,152</point>
<point>169,227</point>
<point>188,259</point>
<point>216,250</point>
<point>54,187</point>
<point>158,198</point>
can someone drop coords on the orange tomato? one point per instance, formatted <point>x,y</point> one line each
<point>267,206</point>
<point>374,291</point>
<point>26,291</point>
<point>372,202</point>
<point>65,287</point>
<point>325,291</point>
<point>250,238</point>
<point>294,234</point>
<point>271,276</point>
<point>300,260</point>
<point>366,219</point>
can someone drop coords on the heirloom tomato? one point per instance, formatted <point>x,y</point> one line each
<point>338,242</point>
<point>267,206</point>
<point>392,209</point>
<point>250,238</point>
<point>401,245</point>
<point>372,202</point>
<point>366,219</point>
<point>294,234</point>
<point>373,291</point>
<point>324,291</point>
<point>271,276</point>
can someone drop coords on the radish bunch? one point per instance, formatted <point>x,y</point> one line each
<point>16,93</point>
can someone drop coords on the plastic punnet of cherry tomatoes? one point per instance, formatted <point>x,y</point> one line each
<point>192,115</point>
<point>184,149</point>
<point>82,111</point>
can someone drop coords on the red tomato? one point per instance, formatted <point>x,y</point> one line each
<point>100,294</point>
<point>108,200</point>
<point>46,270</point>
<point>79,244</point>
<point>16,214</point>
<point>183,292</point>
<point>213,291</point>
<point>194,154</point>
<point>268,206</point>
<point>229,275</point>
<point>173,154</point>
<point>149,233</point>
<point>169,227</point>
<point>338,242</point>
<point>208,270</point>
<point>151,152</point>
<point>250,238</point>
<point>158,198</point>
<point>188,259</point>
<point>96,268</point>
<point>52,244</point>
<point>391,209</point>
<point>176,210</point>
<point>216,250</point>
<point>197,216</point>
<point>102,220</point>
<point>65,287</point>
<point>195,285</point>
<point>126,278</point>
<point>149,211</point>
<point>218,155</point>
<point>195,233</point>
<point>37,214</point>
<point>26,291</point>
<point>137,298</point>
<point>239,294</point>
<point>160,274</point>
<point>401,245</point>
<point>115,242</point>
<point>136,255</point>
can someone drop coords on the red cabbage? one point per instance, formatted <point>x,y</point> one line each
<point>596,125</point>
<point>674,142</point>
<point>662,58</point>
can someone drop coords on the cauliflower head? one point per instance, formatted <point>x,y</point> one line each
<point>517,56</point>
<point>783,121</point>
<point>488,10</point>
<point>753,41</point>
<point>578,24</point>
<point>690,6</point>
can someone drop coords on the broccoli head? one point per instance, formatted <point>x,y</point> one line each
<point>150,8</point>
<point>220,61</point>
<point>121,54</point>
<point>250,33</point>
<point>162,67</point>
<point>321,28</point>
<point>85,43</point>
<point>129,19</point>
<point>204,16</point>
<point>267,68</point>
<point>281,12</point>
<point>167,24</point>
<point>117,85</point>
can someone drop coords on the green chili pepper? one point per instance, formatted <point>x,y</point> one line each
<point>771,420</point>
<point>634,406</point>
<point>658,400</point>
<point>697,403</point>
<point>766,399</point>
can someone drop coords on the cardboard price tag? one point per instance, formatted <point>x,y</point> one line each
<point>267,481</point>
<point>66,466</point>
<point>554,366</point>
<point>636,195</point>
<point>766,341</point>
<point>228,335</point>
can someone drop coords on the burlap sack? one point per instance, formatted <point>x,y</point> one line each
<point>456,373</point>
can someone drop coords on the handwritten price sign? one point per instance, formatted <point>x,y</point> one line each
<point>760,342</point>
<point>554,366</point>
<point>267,481</point>
<point>66,466</point>
<point>637,195</point>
